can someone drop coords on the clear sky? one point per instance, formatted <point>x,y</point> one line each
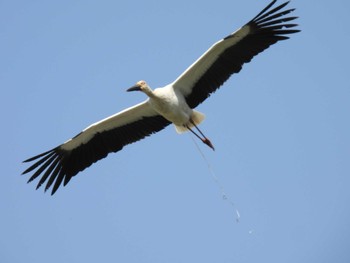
<point>280,128</point>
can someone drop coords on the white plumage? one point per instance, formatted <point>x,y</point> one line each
<point>173,103</point>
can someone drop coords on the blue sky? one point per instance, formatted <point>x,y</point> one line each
<point>280,128</point>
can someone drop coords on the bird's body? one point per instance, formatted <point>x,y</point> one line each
<point>174,103</point>
<point>171,104</point>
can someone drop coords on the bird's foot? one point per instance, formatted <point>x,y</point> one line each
<point>208,142</point>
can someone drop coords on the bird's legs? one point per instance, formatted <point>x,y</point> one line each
<point>204,139</point>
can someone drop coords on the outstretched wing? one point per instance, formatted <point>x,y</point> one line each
<point>94,143</point>
<point>228,55</point>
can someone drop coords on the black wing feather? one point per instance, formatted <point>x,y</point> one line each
<point>48,171</point>
<point>61,165</point>
<point>267,28</point>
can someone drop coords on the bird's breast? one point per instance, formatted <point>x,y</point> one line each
<point>171,106</point>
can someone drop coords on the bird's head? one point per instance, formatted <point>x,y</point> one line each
<point>141,86</point>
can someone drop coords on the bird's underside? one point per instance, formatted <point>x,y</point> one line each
<point>56,167</point>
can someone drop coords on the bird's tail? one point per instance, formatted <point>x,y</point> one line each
<point>197,117</point>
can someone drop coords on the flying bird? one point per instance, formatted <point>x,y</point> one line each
<point>173,103</point>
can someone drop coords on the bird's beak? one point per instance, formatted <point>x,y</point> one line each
<point>134,88</point>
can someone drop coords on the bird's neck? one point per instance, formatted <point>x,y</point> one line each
<point>149,92</point>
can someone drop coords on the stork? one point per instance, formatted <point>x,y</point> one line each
<point>173,103</point>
